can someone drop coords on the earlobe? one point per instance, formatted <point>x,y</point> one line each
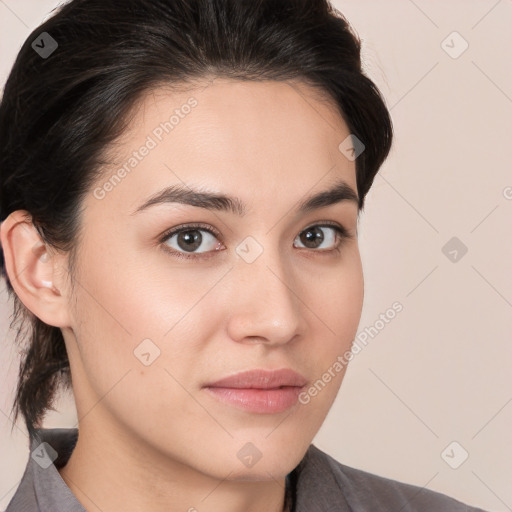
<point>31,269</point>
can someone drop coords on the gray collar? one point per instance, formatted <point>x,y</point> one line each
<point>49,451</point>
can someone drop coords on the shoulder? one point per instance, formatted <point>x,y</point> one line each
<point>41,486</point>
<point>323,483</point>
<point>25,496</point>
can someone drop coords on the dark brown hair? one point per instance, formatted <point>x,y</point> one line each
<point>60,112</point>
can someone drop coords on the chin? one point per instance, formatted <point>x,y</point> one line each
<point>274,463</point>
<point>263,473</point>
<point>245,463</point>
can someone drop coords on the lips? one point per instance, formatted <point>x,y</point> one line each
<point>261,379</point>
<point>260,391</point>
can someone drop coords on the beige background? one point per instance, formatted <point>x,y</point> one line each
<point>440,370</point>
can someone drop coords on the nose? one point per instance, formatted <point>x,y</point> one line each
<point>264,305</point>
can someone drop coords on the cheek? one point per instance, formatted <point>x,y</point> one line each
<point>337,304</point>
<point>138,347</point>
<point>336,297</point>
<point>131,311</point>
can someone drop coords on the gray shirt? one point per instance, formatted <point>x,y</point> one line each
<point>318,484</point>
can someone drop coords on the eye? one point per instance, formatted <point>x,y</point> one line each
<point>183,241</point>
<point>189,238</point>
<point>313,237</point>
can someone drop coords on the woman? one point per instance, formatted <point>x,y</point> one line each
<point>180,190</point>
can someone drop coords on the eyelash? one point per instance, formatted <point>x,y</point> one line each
<point>342,233</point>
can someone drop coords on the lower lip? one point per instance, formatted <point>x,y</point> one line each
<point>258,400</point>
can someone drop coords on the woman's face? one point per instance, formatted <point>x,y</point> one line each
<point>155,321</point>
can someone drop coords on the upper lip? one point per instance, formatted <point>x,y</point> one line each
<point>261,379</point>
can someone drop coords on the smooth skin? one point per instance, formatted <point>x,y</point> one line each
<point>151,437</point>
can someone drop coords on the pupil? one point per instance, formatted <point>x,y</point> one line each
<point>311,236</point>
<point>192,239</point>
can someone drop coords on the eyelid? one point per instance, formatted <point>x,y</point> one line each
<point>189,226</point>
<point>343,231</point>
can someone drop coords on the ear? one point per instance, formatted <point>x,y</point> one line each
<point>33,270</point>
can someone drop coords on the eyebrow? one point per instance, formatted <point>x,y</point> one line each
<point>182,194</point>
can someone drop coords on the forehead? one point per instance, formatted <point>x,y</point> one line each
<point>252,139</point>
